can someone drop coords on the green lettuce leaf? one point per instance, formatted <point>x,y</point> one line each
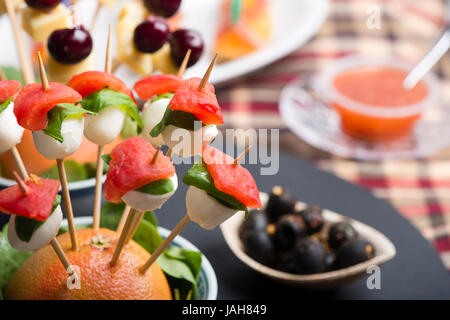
<point>106,98</point>
<point>58,114</point>
<point>4,105</point>
<point>199,177</point>
<point>25,227</point>
<point>10,259</point>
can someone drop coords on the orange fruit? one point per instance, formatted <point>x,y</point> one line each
<point>42,276</point>
<point>36,163</point>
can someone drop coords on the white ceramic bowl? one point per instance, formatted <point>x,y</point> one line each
<point>384,251</point>
<point>207,281</point>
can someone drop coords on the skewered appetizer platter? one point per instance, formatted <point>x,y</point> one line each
<point>140,177</point>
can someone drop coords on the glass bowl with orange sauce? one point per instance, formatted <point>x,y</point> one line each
<point>369,97</point>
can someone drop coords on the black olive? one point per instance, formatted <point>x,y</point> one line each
<point>280,202</point>
<point>340,233</point>
<point>259,246</point>
<point>256,220</point>
<point>329,261</point>
<point>288,230</point>
<point>354,252</point>
<point>307,257</point>
<point>313,219</point>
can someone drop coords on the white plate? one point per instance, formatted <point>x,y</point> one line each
<point>295,22</point>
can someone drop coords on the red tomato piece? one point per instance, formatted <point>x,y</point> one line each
<point>8,88</point>
<point>130,168</point>
<point>88,82</point>
<point>201,103</point>
<point>156,85</point>
<point>33,103</point>
<point>232,179</point>
<point>36,204</point>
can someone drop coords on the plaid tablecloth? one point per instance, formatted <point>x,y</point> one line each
<point>420,190</point>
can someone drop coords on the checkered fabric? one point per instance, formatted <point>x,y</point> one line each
<point>420,190</point>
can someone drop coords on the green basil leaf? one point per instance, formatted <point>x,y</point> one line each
<point>25,227</point>
<point>106,160</point>
<point>147,236</point>
<point>106,98</point>
<point>10,259</point>
<point>177,118</point>
<point>158,187</point>
<point>199,177</point>
<point>162,124</point>
<point>58,114</point>
<point>4,105</point>
<point>192,258</point>
<point>129,129</point>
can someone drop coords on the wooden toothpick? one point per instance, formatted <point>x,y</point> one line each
<point>178,228</point>
<point>208,73</point>
<point>155,157</point>
<point>125,213</point>
<point>184,63</point>
<point>123,236</point>
<point>242,155</point>
<point>25,63</point>
<point>67,203</point>
<point>108,58</point>
<point>23,187</point>
<point>42,73</point>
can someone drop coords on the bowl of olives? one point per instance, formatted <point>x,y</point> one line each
<point>303,245</point>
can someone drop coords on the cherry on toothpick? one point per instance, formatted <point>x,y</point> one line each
<point>45,5</point>
<point>165,8</point>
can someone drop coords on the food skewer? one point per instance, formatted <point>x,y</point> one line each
<point>168,154</point>
<point>12,201</point>
<point>40,108</point>
<point>62,172</point>
<point>150,181</point>
<point>99,162</point>
<point>198,200</point>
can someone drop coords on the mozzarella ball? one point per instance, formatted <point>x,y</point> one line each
<point>72,132</point>
<point>105,127</point>
<point>10,132</point>
<point>183,142</point>
<point>152,115</point>
<point>205,210</point>
<point>146,202</point>
<point>41,237</point>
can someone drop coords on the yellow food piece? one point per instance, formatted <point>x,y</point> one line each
<point>39,25</point>
<point>15,5</point>
<point>131,15</point>
<point>163,62</point>
<point>58,72</point>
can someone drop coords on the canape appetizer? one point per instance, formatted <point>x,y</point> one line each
<point>158,90</point>
<point>56,122</point>
<point>244,27</point>
<point>10,133</point>
<point>140,175</point>
<point>193,104</point>
<point>71,52</point>
<point>220,186</point>
<point>36,214</point>
<point>110,101</point>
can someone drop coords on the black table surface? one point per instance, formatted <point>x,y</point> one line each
<point>416,272</point>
